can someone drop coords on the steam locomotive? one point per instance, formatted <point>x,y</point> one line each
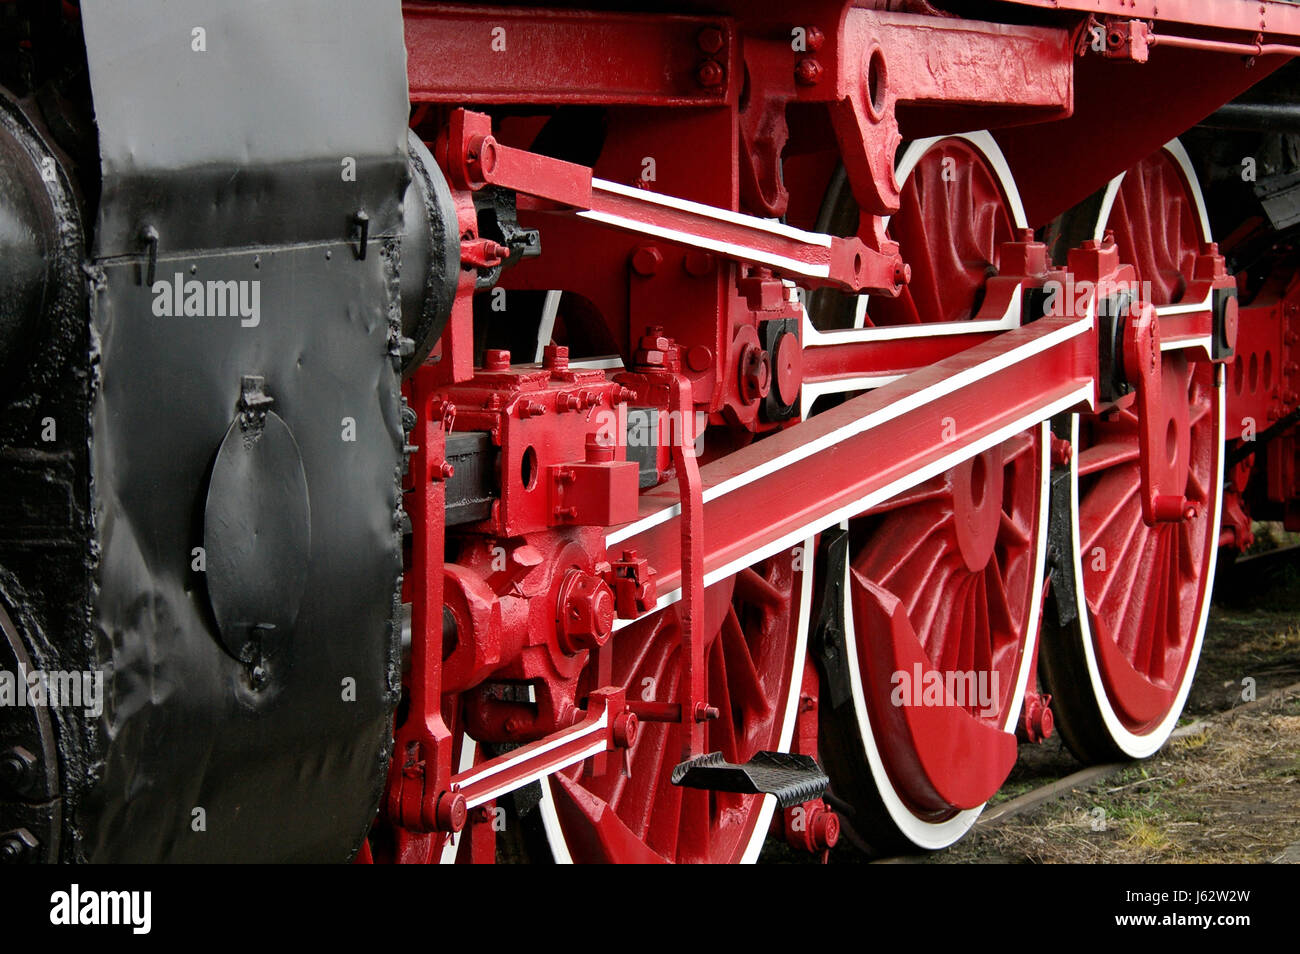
<point>443,432</point>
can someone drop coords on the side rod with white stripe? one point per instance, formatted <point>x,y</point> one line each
<point>776,493</point>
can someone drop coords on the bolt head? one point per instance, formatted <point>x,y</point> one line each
<point>697,263</point>
<point>587,613</point>
<point>755,374</point>
<point>808,72</point>
<point>19,772</point>
<point>699,358</point>
<point>555,357</point>
<point>17,846</point>
<point>710,39</point>
<point>825,830</point>
<point>710,74</point>
<point>646,260</point>
<point>451,812</point>
<point>625,729</point>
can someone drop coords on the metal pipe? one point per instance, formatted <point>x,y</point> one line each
<point>1281,117</point>
<point>1258,48</point>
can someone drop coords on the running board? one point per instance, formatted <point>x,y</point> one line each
<point>793,779</point>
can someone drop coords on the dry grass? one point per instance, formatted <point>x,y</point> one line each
<point>1230,793</point>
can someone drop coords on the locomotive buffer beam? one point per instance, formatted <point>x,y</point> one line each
<point>475,159</point>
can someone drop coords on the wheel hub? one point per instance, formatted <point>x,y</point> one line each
<point>977,506</point>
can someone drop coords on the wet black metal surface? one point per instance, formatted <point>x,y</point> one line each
<point>45,557</point>
<point>223,145</point>
<point>236,157</point>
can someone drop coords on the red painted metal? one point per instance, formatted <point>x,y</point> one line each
<point>480,54</point>
<point>1155,223</point>
<point>704,570</point>
<point>949,571</point>
<point>421,767</point>
<point>1272,16</point>
<point>604,726</point>
<point>1162,453</point>
<point>812,826</point>
<point>945,576</point>
<point>847,263</point>
<point>562,455</point>
<point>1146,568</point>
<point>748,627</point>
<point>941,756</point>
<point>952,222</point>
<point>1258,48</point>
<point>866,64</point>
<point>1103,138</point>
<point>1036,720</point>
<point>965,395</point>
<point>1145,585</point>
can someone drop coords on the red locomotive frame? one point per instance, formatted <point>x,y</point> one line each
<point>698,274</point>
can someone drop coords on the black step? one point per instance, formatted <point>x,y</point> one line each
<point>793,779</point>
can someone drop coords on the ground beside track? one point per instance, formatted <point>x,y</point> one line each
<point>1227,791</point>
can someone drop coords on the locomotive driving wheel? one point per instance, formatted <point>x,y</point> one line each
<point>957,206</point>
<point>1121,668</point>
<point>756,625</point>
<point>943,600</point>
<point>944,582</point>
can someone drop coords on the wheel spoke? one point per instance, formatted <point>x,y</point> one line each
<point>749,661</point>
<point>1099,522</point>
<point>1136,535</point>
<point>1101,456</point>
<point>745,682</point>
<point>752,587</point>
<point>1010,533</point>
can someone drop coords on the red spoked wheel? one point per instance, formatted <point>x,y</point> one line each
<point>957,206</point>
<point>945,581</point>
<point>757,624</point>
<point>944,591</point>
<point>1121,668</point>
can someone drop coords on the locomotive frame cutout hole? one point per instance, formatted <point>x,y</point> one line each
<point>528,468</point>
<point>978,480</point>
<point>877,82</point>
